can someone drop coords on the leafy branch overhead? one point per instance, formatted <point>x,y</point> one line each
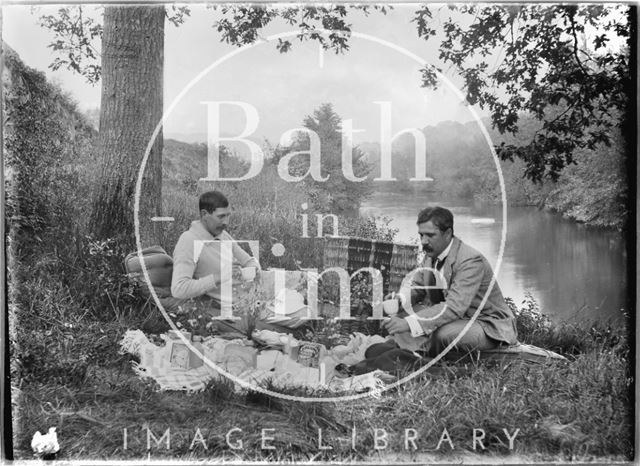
<point>550,61</point>
<point>76,35</point>
<point>240,24</point>
<point>566,65</point>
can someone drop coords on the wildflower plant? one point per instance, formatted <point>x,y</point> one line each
<point>328,332</point>
<point>250,305</point>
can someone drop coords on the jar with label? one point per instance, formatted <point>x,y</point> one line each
<point>309,354</point>
<point>181,355</point>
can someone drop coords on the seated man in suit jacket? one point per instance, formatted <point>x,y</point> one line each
<point>435,316</point>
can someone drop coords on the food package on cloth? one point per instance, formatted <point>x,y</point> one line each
<point>238,358</point>
<point>270,338</point>
<point>183,355</point>
<point>310,354</point>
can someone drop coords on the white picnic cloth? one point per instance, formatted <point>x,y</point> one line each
<point>240,359</point>
<point>524,348</point>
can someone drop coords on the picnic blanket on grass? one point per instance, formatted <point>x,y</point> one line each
<point>241,359</point>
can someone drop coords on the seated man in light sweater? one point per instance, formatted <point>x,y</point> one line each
<point>200,273</point>
<point>198,268</point>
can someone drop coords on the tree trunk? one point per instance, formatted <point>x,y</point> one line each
<point>131,107</point>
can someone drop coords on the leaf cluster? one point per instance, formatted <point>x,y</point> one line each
<point>326,25</point>
<point>77,35</point>
<point>549,61</point>
<point>75,41</point>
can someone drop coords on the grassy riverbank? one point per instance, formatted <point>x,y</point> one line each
<point>575,410</point>
<point>71,304</point>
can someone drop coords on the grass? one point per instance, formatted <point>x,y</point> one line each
<point>70,307</point>
<point>578,410</point>
<point>66,372</point>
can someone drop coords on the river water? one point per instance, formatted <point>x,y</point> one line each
<point>573,272</point>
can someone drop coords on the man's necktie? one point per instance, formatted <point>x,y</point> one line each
<point>435,294</point>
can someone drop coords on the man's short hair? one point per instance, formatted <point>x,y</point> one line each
<point>211,200</point>
<point>442,218</point>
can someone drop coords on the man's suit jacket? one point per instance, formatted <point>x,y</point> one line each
<point>467,275</point>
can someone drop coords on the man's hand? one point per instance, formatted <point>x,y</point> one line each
<point>236,273</point>
<point>396,325</point>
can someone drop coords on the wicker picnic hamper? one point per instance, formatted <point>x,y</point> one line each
<point>393,260</point>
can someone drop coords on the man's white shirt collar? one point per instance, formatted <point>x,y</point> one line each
<point>445,253</point>
<point>405,296</point>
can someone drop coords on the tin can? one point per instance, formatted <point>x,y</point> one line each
<point>181,355</point>
<point>309,354</point>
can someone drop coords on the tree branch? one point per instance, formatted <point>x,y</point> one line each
<point>570,107</point>
<point>575,43</point>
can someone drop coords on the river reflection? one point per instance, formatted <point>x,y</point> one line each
<point>575,273</point>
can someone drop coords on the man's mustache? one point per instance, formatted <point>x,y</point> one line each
<point>427,248</point>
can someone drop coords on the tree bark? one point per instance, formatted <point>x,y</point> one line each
<point>131,107</point>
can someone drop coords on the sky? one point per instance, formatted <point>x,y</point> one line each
<point>283,88</point>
